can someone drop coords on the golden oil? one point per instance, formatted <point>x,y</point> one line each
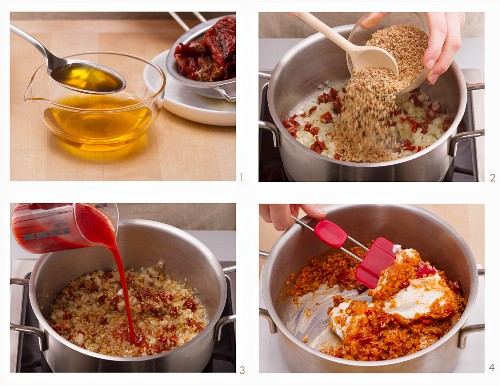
<point>102,122</point>
<point>87,78</point>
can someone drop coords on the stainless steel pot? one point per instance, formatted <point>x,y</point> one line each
<point>315,60</point>
<point>223,89</point>
<point>432,237</point>
<point>142,243</point>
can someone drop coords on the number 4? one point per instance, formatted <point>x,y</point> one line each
<point>492,367</point>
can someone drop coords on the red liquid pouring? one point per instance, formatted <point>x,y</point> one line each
<point>39,234</point>
<point>96,227</point>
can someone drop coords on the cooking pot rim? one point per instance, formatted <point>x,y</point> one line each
<point>313,39</point>
<point>151,224</point>
<point>266,276</point>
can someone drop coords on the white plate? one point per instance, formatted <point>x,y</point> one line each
<point>182,101</point>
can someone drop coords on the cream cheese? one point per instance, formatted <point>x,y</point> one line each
<point>417,298</point>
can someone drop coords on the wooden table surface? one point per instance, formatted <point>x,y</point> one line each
<point>174,149</point>
<point>467,220</point>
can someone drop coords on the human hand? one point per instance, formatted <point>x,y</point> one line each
<point>280,214</point>
<point>444,39</point>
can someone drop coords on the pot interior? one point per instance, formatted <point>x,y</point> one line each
<point>316,59</point>
<point>142,244</point>
<point>409,226</point>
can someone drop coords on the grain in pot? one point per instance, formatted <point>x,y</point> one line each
<point>364,121</point>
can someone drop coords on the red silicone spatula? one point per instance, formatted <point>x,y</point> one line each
<point>378,257</point>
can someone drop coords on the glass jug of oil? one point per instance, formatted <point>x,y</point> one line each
<point>43,228</point>
<point>100,122</point>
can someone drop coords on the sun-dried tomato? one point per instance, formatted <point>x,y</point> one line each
<point>446,123</point>
<point>415,100</point>
<point>426,320</point>
<point>454,286</point>
<point>292,131</point>
<point>312,130</point>
<point>190,304</point>
<point>414,125</point>
<point>327,117</point>
<point>405,143</point>
<point>318,146</point>
<point>425,269</point>
<point>290,122</point>
<point>365,340</point>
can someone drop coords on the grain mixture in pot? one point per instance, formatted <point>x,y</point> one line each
<point>413,305</point>
<point>363,120</point>
<point>90,312</point>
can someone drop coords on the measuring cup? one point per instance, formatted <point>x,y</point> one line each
<point>42,228</point>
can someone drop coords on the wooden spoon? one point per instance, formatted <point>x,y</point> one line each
<point>361,56</point>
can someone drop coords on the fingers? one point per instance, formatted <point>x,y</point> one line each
<point>372,19</point>
<point>444,42</point>
<point>315,211</point>
<point>264,213</point>
<point>293,13</point>
<point>280,214</point>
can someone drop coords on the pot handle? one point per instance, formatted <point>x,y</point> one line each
<point>31,330</point>
<point>463,136</point>
<point>264,75</point>
<point>264,254</point>
<point>273,129</point>
<point>464,332</point>
<point>226,95</point>
<point>28,329</point>
<point>475,86</point>
<point>221,323</point>
<point>265,314</point>
<point>229,269</point>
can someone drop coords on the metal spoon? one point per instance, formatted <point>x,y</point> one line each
<point>361,56</point>
<point>79,75</point>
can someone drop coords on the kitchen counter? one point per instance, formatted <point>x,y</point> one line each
<point>173,149</point>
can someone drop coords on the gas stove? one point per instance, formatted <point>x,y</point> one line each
<point>468,165</point>
<point>26,355</point>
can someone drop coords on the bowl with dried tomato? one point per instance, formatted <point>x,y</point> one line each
<point>204,58</point>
